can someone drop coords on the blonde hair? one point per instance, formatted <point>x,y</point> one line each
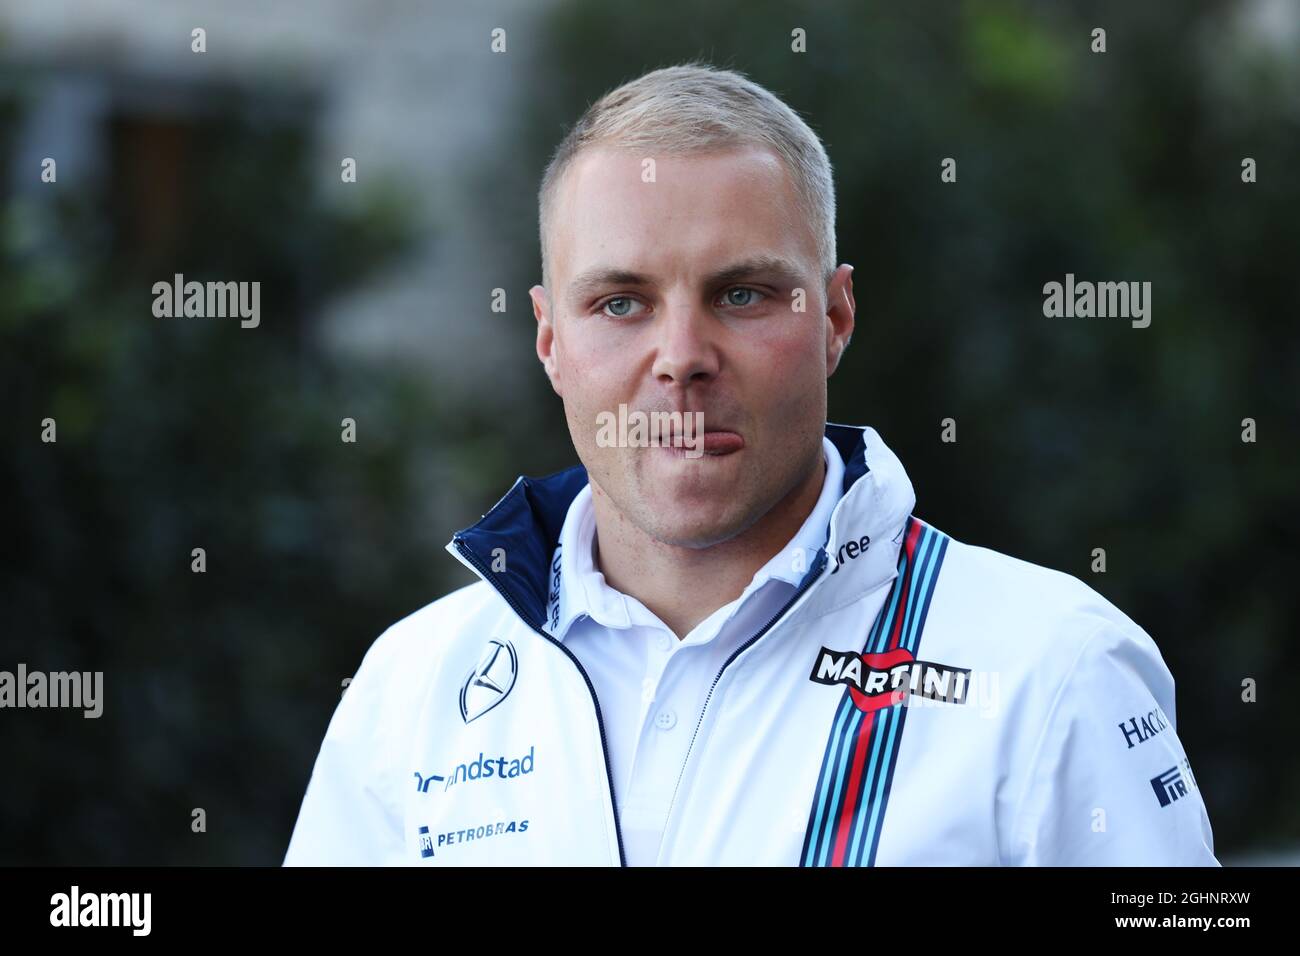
<point>695,107</point>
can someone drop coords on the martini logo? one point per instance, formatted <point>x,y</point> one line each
<point>883,680</point>
<point>490,682</point>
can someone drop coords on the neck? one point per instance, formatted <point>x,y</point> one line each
<point>683,586</point>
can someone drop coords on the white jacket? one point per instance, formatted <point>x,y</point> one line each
<point>920,701</point>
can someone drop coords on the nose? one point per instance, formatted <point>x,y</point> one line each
<point>686,349</point>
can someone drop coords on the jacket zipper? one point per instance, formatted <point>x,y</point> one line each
<point>821,567</point>
<point>604,744</point>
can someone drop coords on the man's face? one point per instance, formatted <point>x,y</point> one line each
<point>682,294</point>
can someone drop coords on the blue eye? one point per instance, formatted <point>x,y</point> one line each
<point>616,313</point>
<point>754,293</point>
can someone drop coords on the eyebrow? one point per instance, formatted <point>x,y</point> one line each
<point>774,267</point>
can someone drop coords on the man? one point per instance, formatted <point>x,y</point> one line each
<point>737,646</point>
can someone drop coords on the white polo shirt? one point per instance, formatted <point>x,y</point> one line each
<point>650,685</point>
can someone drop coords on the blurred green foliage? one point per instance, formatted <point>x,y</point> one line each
<point>182,433</point>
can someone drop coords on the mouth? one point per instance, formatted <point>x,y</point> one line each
<point>716,444</point>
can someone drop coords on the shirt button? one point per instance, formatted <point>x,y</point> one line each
<point>666,720</point>
<point>665,642</point>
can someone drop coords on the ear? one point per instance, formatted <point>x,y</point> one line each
<point>840,309</point>
<point>547,347</point>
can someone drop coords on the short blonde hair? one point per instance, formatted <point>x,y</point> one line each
<point>695,107</point>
